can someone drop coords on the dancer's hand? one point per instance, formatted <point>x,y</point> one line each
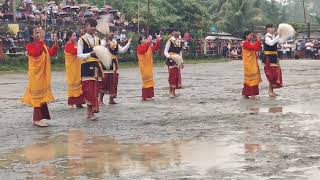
<point>149,40</point>
<point>159,38</point>
<point>93,54</point>
<point>129,40</point>
<point>42,34</point>
<point>55,39</point>
<point>258,36</point>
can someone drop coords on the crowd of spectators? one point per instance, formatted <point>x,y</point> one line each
<point>57,19</point>
<point>300,49</point>
<point>292,49</point>
<point>225,48</point>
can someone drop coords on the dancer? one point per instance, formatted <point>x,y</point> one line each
<point>73,72</point>
<point>271,63</point>
<point>250,65</point>
<point>38,92</point>
<point>173,53</point>
<point>145,52</point>
<point>91,71</point>
<point>111,75</point>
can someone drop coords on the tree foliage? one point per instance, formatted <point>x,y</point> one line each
<point>318,20</point>
<point>187,15</point>
<point>196,16</point>
<point>236,16</point>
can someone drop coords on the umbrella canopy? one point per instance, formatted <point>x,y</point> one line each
<point>62,13</point>
<point>51,2</point>
<point>84,5</point>
<point>222,38</point>
<point>104,9</point>
<point>95,10</point>
<point>113,11</point>
<point>220,34</point>
<point>66,7</point>
<point>108,7</point>
<point>75,7</point>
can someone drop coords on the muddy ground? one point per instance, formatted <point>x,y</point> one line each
<point>208,132</point>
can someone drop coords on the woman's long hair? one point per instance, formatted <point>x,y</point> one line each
<point>68,36</point>
<point>30,29</point>
<point>245,34</point>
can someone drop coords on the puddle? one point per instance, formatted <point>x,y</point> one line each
<point>309,173</point>
<point>78,155</point>
<point>296,109</point>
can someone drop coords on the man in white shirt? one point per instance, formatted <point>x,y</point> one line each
<point>308,46</point>
<point>109,84</point>
<point>271,63</point>
<point>173,53</point>
<point>91,72</point>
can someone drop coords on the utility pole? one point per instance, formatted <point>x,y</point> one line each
<point>309,30</point>
<point>304,11</point>
<point>139,17</point>
<point>148,26</point>
<point>13,6</point>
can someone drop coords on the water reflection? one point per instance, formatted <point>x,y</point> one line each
<point>78,155</point>
<point>297,109</point>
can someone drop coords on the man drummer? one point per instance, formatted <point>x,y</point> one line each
<point>91,72</point>
<point>271,63</point>
<point>109,84</point>
<point>173,48</point>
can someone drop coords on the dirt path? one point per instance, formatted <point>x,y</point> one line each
<point>208,132</point>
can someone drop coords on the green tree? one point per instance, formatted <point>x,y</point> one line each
<point>318,20</point>
<point>186,15</point>
<point>236,16</point>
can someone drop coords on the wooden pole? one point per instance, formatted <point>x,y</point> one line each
<point>13,6</point>
<point>148,25</point>
<point>304,12</point>
<point>139,17</point>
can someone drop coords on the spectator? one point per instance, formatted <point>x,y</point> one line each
<point>234,54</point>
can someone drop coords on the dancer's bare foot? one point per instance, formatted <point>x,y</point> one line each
<point>70,106</point>
<point>171,95</point>
<point>146,99</point>
<point>41,123</point>
<point>253,97</point>
<point>272,94</point>
<point>93,118</point>
<point>112,102</point>
<point>102,103</point>
<point>245,97</point>
<point>79,106</point>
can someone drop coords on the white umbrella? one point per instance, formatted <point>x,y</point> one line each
<point>84,5</point>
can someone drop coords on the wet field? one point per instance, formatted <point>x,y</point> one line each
<point>207,132</point>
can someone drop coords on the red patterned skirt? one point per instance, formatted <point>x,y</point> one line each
<point>40,113</point>
<point>274,76</point>
<point>76,100</point>
<point>147,93</point>
<point>175,78</point>
<point>250,90</point>
<point>109,84</point>
<point>90,89</point>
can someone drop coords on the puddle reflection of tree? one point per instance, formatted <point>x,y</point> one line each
<point>258,148</point>
<point>79,154</point>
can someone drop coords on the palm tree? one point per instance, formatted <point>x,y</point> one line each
<point>318,19</point>
<point>236,16</point>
